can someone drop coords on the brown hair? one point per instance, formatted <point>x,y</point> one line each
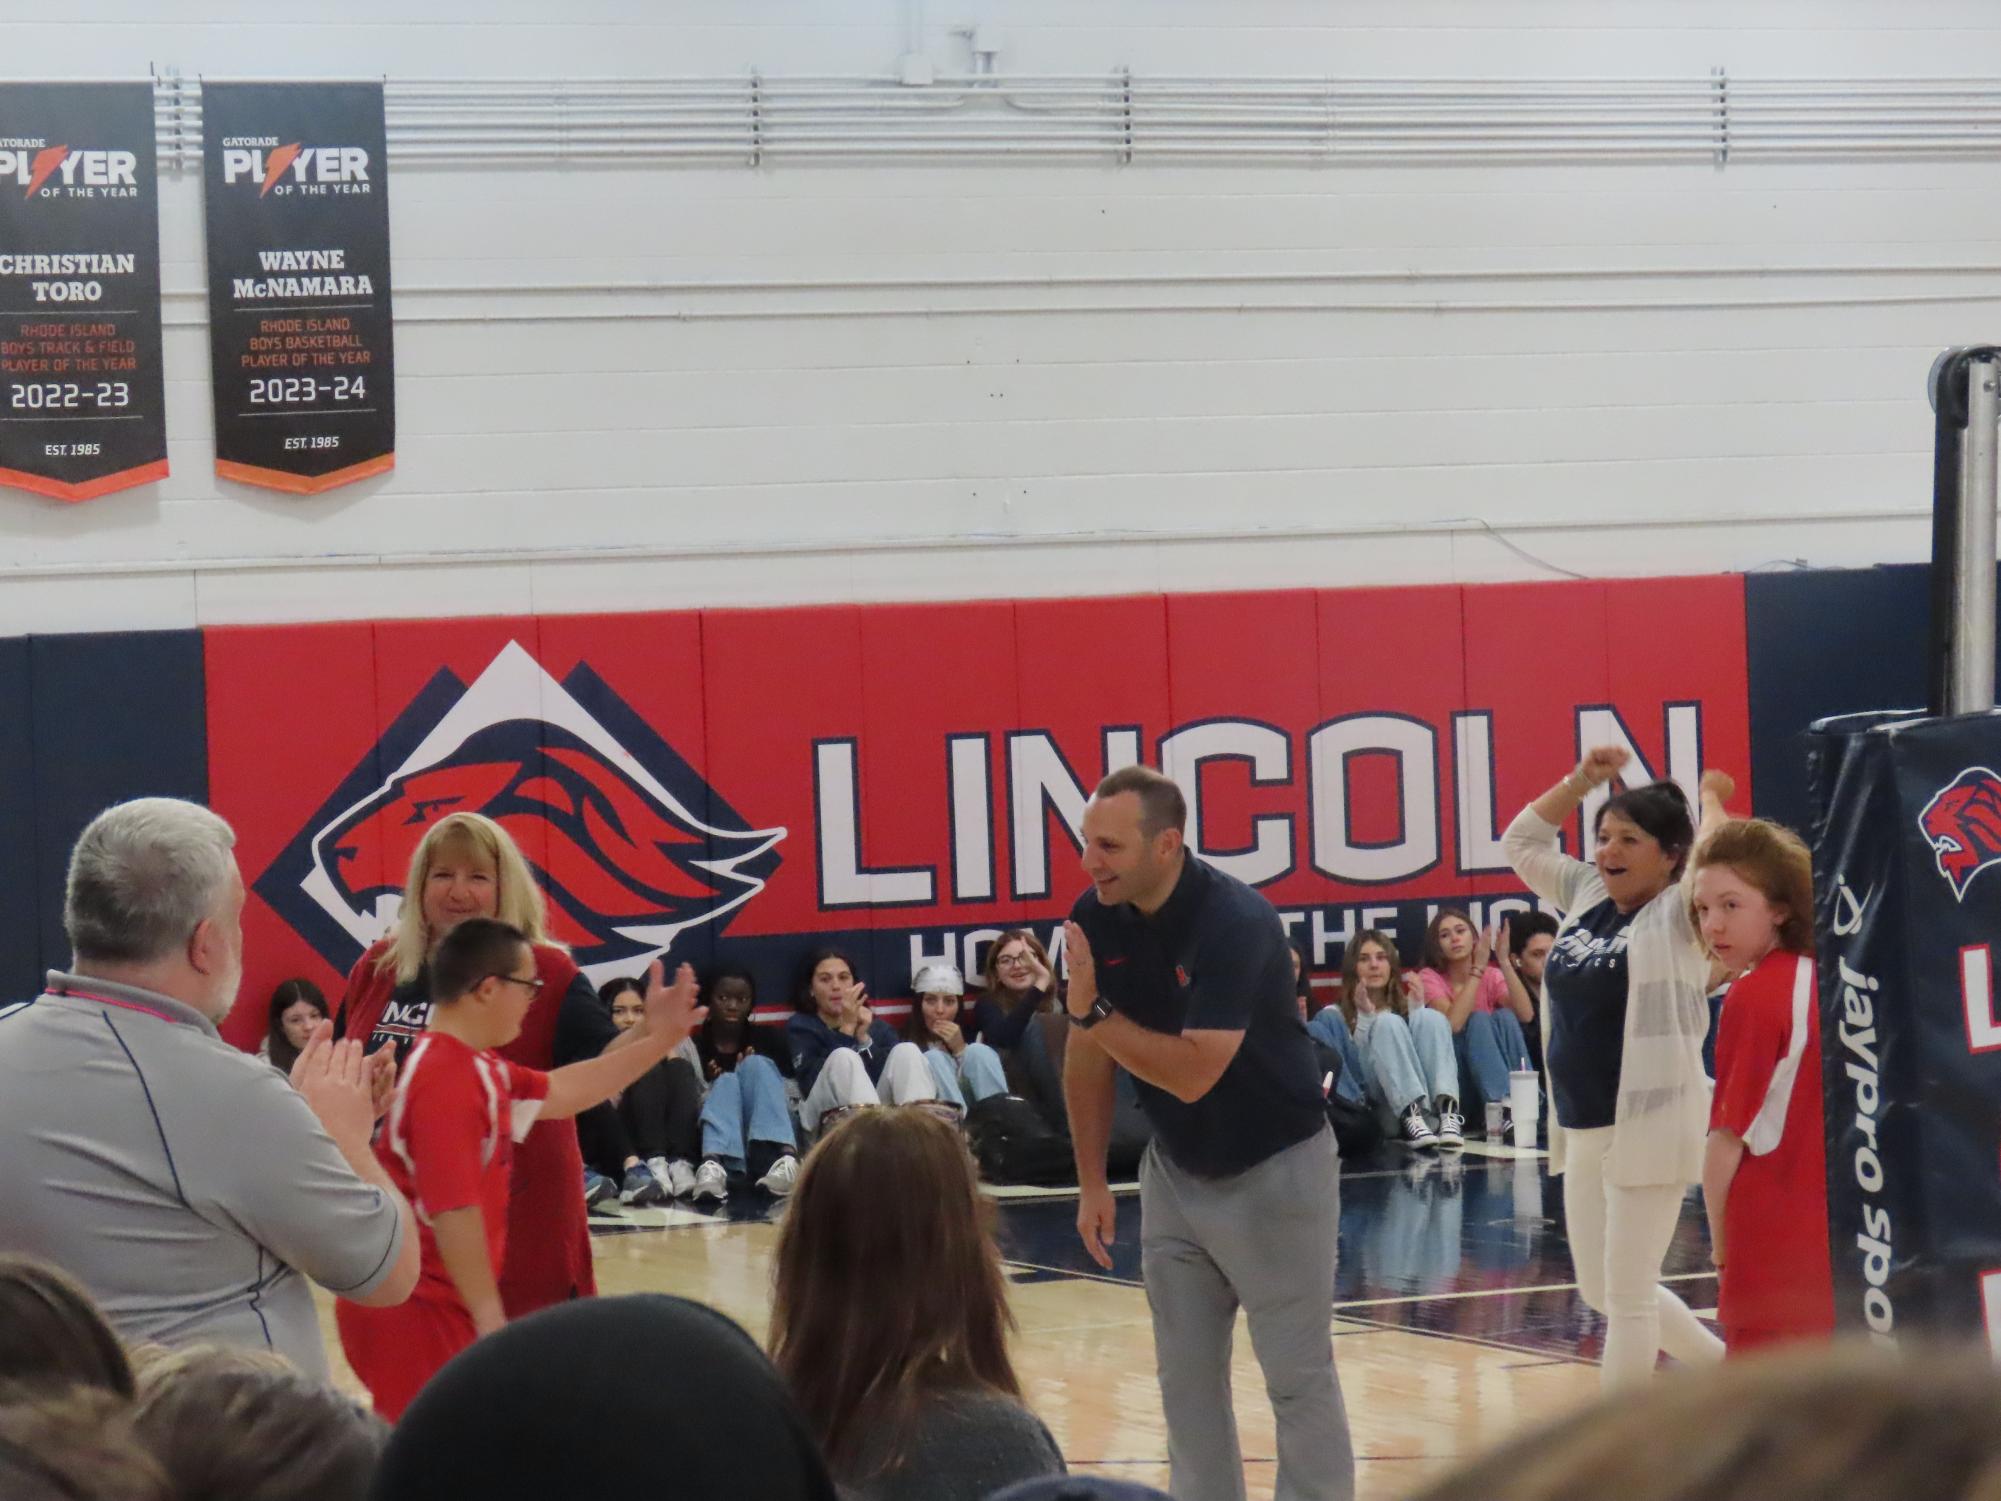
<point>860,1362</point>
<point>1434,951</point>
<point>1161,803</point>
<point>52,1334</point>
<point>1818,1424</point>
<point>246,1425</point>
<point>1351,974</point>
<point>277,1046</point>
<point>990,969</point>
<point>1774,860</point>
<point>74,1443</point>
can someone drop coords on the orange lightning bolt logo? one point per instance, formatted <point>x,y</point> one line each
<point>281,158</point>
<point>46,162</point>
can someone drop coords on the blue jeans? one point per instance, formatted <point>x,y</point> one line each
<point>747,1104</point>
<point>969,1078</point>
<point>1490,1046</point>
<point>1400,1062</point>
<point>1331,1032</point>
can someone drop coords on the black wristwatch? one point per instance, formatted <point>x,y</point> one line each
<point>1100,1009</point>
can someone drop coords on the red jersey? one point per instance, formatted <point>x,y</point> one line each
<point>1777,1277</point>
<point>448,1141</point>
<point>552,1243</point>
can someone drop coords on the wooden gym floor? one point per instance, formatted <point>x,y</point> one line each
<point>1456,1315</point>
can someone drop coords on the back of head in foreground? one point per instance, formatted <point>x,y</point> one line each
<point>862,1362</point>
<point>235,1424</point>
<point>525,1412</point>
<point>1831,1423</point>
<point>74,1443</point>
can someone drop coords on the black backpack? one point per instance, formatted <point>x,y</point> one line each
<point>1013,1143</point>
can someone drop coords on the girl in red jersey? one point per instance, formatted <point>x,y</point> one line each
<point>1764,1176</point>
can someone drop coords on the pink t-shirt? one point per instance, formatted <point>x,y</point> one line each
<point>1491,996</point>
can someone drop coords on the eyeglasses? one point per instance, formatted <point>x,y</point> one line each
<point>1014,961</point>
<point>533,986</point>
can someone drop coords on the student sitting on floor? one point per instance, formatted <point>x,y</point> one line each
<point>1395,1048</point>
<point>890,1321</point>
<point>645,1137</point>
<point>1016,986</point>
<point>843,1056</point>
<point>1473,996</point>
<point>965,1072</point>
<point>447,1144</point>
<point>746,1119</point>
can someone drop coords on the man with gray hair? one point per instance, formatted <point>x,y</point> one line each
<point>189,1186</point>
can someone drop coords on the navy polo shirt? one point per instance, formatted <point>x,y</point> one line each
<point>1213,958</point>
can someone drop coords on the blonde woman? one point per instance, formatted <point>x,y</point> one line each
<point>468,866</point>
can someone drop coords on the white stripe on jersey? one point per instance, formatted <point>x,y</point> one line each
<point>1770,1124</point>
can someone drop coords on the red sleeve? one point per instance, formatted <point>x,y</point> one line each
<point>361,1000</point>
<point>527,1088</point>
<point>444,1127</point>
<point>1750,1043</point>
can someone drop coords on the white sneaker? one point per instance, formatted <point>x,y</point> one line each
<point>1416,1130</point>
<point>711,1182</point>
<point>678,1175</point>
<point>778,1182</point>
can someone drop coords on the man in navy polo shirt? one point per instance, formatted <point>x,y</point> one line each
<point>1181,974</point>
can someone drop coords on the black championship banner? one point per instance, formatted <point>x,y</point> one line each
<point>1907,880</point>
<point>297,190</point>
<point>82,411</point>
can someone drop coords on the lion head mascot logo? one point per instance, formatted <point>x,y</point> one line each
<point>630,844</point>
<point>1963,825</point>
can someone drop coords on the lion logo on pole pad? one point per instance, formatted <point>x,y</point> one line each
<point>1963,825</point>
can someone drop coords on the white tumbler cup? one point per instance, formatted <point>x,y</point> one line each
<point>1522,1093</point>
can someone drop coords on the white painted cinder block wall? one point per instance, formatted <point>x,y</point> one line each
<point>786,438</point>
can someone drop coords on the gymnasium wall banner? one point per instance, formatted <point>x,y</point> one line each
<point>295,181</point>
<point>1907,875</point>
<point>906,781</point>
<point>82,406</point>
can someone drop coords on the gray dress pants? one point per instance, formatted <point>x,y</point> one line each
<point>1262,1241</point>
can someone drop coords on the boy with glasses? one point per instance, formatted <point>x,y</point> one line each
<point>448,1143</point>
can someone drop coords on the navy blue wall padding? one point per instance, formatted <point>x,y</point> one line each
<point>1838,641</point>
<point>20,908</point>
<point>115,716</point>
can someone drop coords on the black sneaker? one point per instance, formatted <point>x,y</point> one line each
<point>1416,1131</point>
<point>1451,1124</point>
<point>641,1187</point>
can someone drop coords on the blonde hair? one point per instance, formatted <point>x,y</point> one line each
<point>517,898</point>
<point>1774,860</point>
<point>1823,1422</point>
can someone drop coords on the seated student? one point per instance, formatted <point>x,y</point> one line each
<point>645,1137</point>
<point>746,1119</point>
<point>1398,1048</point>
<point>843,1057</point>
<point>699,1413</point>
<point>51,1334</point>
<point>1473,995</point>
<point>965,1072</point>
<point>1016,985</point>
<point>1764,1176</point>
<point>448,1141</point>
<point>247,1425</point>
<point>1523,952</point>
<point>911,1393</point>
<point>296,1008</point>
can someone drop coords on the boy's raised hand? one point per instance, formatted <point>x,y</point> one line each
<point>671,1010</point>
